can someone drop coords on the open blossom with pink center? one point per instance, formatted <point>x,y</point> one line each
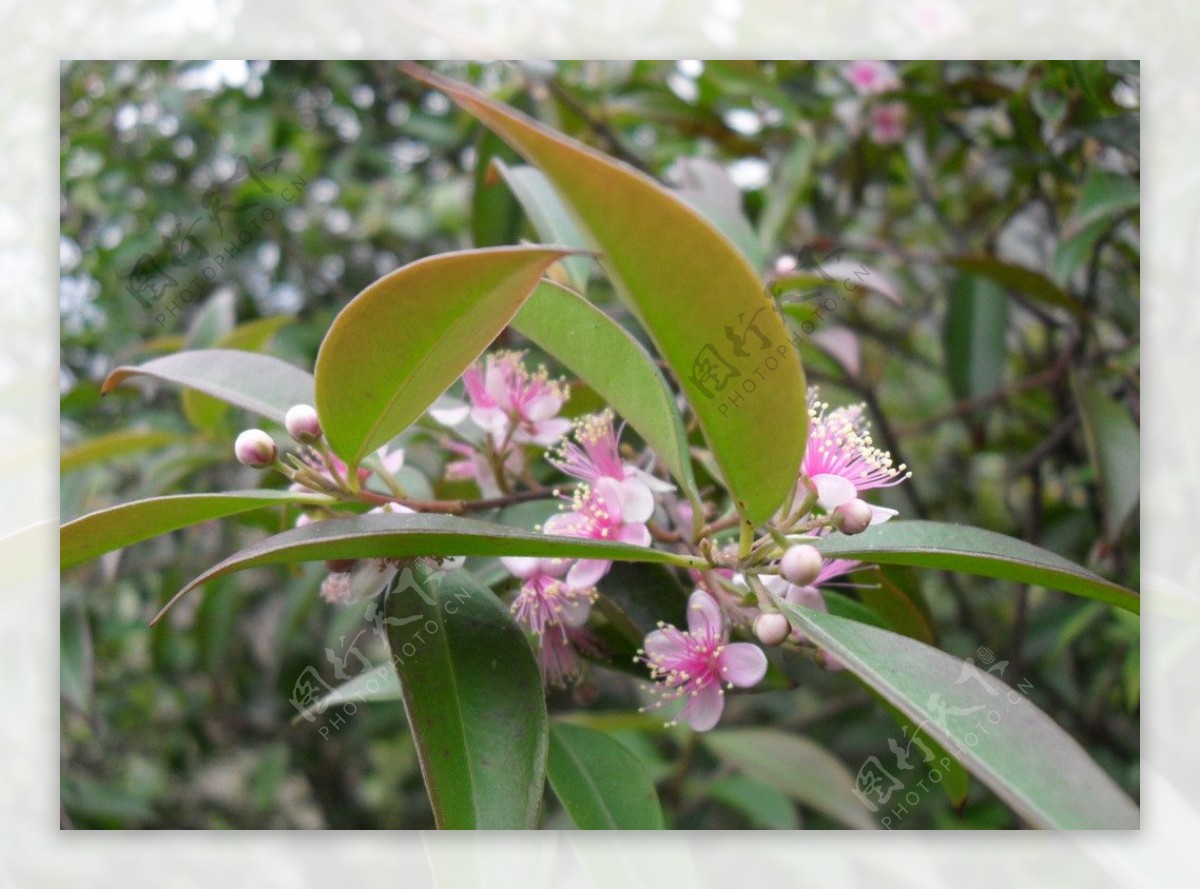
<point>601,512</point>
<point>871,78</point>
<point>544,599</point>
<point>888,123</point>
<point>841,459</point>
<point>512,404</point>
<point>595,455</point>
<point>697,665</point>
<point>473,464</point>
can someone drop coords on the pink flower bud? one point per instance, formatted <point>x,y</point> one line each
<point>852,517</point>
<point>801,564</point>
<point>256,449</point>
<point>302,424</point>
<point>771,628</point>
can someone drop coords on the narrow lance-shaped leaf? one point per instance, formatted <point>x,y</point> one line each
<point>614,364</point>
<point>600,782</point>
<point>114,445</point>
<point>399,535</point>
<point>976,551</point>
<point>797,766</point>
<point>551,220</point>
<point>1016,750</point>
<point>1114,445</point>
<point>258,383</point>
<point>694,292</point>
<point>474,699</point>
<point>974,333</point>
<point>399,344</point>
<point>1031,283</point>
<point>96,533</point>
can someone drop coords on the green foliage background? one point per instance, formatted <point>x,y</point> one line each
<point>1006,375</point>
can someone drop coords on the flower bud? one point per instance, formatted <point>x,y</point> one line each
<point>302,424</point>
<point>256,449</point>
<point>801,564</point>
<point>771,628</point>
<point>852,517</point>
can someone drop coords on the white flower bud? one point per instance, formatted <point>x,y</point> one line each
<point>852,517</point>
<point>801,564</point>
<point>256,449</point>
<point>302,424</point>
<point>771,628</point>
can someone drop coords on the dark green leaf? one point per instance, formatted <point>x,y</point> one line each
<point>1024,281</point>
<point>600,783</point>
<point>1114,445</point>
<point>976,324</point>
<point>474,699</point>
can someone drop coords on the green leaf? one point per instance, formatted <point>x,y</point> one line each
<point>1029,762</point>
<point>687,284</point>
<point>89,536</point>
<point>615,365</point>
<point>398,535</point>
<point>258,383</point>
<point>550,218</point>
<point>400,343</point>
<point>206,413</point>
<point>797,766</point>
<point>1114,445</point>
<point>213,321</point>
<point>760,802</point>
<point>474,699</point>
<point>793,175</point>
<point>599,782</point>
<point>380,683</point>
<point>114,445</point>
<point>893,593</point>
<point>973,336</point>
<point>1025,281</point>
<point>1073,251</point>
<point>976,551</point>
<point>1104,196</point>
<point>76,657</point>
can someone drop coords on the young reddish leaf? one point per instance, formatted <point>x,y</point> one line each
<point>694,292</point>
<point>399,344</point>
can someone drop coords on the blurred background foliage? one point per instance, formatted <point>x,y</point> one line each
<point>990,208</point>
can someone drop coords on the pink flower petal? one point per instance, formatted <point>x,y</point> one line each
<point>703,709</point>
<point>450,416</point>
<point>545,432</point>
<point>543,407</point>
<point>743,664</point>
<point>635,533</point>
<point>667,646</point>
<point>882,514</point>
<point>587,573</point>
<point>704,616</point>
<point>637,501</point>
<point>833,491</point>
<point>521,566</point>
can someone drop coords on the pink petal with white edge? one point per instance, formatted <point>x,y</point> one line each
<point>833,491</point>
<point>547,432</point>
<point>743,664</point>
<point>882,514</point>
<point>703,710</point>
<point>637,501</point>
<point>543,407</point>
<point>450,416</point>
<point>521,566</point>
<point>587,573</point>
<point>704,616</point>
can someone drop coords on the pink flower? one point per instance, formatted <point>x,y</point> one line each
<point>692,665</point>
<point>544,599</point>
<point>887,123</point>
<point>871,78</point>
<point>595,456</point>
<point>601,512</point>
<point>841,459</point>
<point>473,464</point>
<point>511,404</point>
